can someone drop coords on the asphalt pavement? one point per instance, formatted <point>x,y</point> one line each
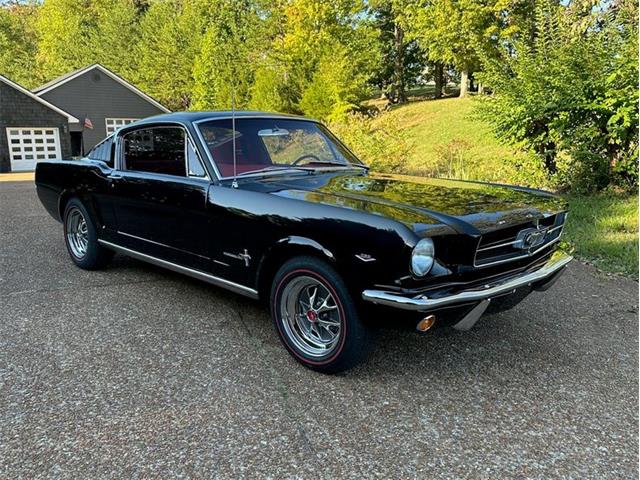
<point>136,372</point>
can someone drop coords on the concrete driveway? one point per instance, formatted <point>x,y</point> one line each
<point>135,372</point>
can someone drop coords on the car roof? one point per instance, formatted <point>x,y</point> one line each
<point>216,114</point>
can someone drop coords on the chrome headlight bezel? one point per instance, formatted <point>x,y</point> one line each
<point>423,257</point>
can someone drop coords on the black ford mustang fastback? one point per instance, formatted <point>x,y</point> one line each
<point>275,207</point>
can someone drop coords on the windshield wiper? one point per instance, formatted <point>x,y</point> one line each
<point>337,164</point>
<point>273,168</point>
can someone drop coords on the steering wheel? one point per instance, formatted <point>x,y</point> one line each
<point>304,157</point>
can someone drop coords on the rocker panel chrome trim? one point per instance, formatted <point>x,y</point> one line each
<point>206,277</point>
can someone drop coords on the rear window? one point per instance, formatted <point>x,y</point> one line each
<point>103,152</point>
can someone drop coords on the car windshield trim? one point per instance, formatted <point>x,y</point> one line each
<point>334,144</point>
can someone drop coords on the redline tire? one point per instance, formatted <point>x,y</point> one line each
<point>330,336</point>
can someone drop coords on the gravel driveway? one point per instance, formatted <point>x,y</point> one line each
<point>135,372</point>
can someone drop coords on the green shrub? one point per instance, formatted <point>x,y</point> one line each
<point>571,91</point>
<point>380,143</point>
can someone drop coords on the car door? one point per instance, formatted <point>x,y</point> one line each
<point>160,195</point>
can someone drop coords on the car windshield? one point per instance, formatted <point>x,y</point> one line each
<point>267,145</point>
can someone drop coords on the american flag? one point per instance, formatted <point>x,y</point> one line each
<point>88,124</point>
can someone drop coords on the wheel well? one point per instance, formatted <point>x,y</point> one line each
<point>275,259</point>
<point>62,203</point>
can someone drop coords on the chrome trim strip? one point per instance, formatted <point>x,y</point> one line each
<point>164,245</point>
<point>513,259</point>
<point>520,257</point>
<point>220,282</point>
<point>424,303</point>
<point>496,246</point>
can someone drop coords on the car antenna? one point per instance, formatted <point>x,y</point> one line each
<point>234,183</point>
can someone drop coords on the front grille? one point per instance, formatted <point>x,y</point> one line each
<point>510,244</point>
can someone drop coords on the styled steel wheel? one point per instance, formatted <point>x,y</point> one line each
<point>77,233</point>
<point>311,317</point>
<point>316,317</point>
<point>81,237</point>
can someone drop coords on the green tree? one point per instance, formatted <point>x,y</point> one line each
<point>113,35</point>
<point>18,43</point>
<point>75,34</point>
<point>454,32</point>
<point>311,47</point>
<point>402,60</point>
<point>64,36</point>
<point>170,35</point>
<point>226,63</point>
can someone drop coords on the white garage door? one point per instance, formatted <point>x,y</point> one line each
<point>29,145</point>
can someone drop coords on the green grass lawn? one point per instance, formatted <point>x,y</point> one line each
<point>603,230</point>
<point>448,141</point>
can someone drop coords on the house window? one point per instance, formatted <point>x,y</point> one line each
<point>113,124</point>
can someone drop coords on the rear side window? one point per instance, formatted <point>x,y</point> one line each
<point>156,150</point>
<point>103,152</point>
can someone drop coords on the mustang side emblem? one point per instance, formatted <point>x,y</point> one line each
<point>530,238</point>
<point>240,256</point>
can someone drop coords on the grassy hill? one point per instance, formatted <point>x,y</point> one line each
<point>447,140</point>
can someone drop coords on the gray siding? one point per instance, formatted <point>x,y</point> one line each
<point>20,110</point>
<point>96,96</point>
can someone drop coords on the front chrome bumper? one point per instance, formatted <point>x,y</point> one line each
<point>423,303</point>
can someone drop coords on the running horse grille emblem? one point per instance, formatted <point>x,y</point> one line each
<point>530,238</point>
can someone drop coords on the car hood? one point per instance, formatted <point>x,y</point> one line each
<point>467,207</point>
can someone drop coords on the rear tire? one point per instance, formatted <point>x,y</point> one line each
<point>81,238</point>
<point>316,317</point>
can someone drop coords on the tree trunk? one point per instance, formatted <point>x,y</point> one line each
<point>439,78</point>
<point>480,89</point>
<point>472,82</point>
<point>398,66</point>
<point>464,83</point>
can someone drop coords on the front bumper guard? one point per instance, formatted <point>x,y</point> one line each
<point>422,303</point>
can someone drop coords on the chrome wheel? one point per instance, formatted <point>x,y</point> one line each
<point>77,233</point>
<point>310,316</point>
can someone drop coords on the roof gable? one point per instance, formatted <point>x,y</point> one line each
<point>55,83</point>
<point>42,101</point>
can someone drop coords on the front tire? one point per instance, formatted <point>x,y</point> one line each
<point>316,318</point>
<point>81,238</point>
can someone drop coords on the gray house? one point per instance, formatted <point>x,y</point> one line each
<point>31,128</point>
<point>101,100</point>
<point>67,116</point>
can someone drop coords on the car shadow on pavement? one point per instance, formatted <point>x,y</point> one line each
<point>493,343</point>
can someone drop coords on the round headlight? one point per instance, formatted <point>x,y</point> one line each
<point>422,257</point>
